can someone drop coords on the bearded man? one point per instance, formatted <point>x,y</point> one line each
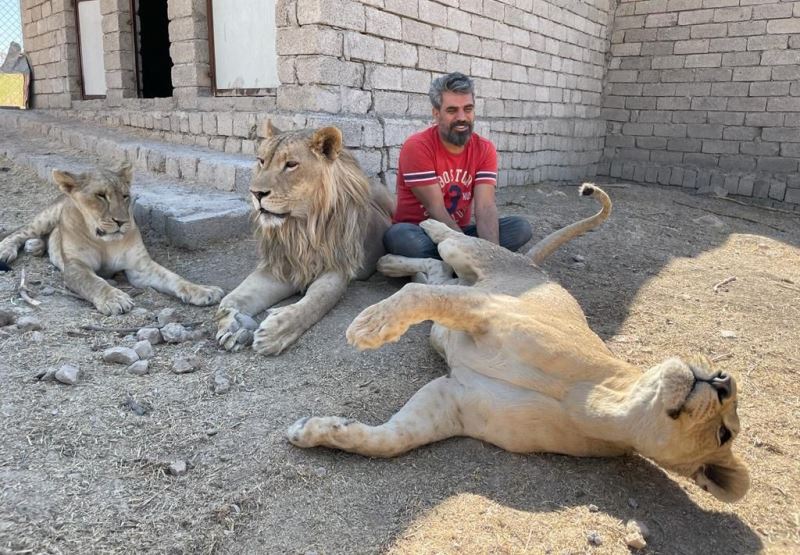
<point>445,171</point>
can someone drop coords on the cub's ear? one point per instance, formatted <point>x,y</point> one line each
<point>269,130</point>
<point>726,479</point>
<point>327,141</point>
<point>66,181</point>
<point>125,171</point>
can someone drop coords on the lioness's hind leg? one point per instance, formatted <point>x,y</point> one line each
<point>432,414</point>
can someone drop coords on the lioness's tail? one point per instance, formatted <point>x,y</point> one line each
<point>552,242</point>
<point>41,225</point>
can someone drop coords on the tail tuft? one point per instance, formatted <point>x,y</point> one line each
<point>587,189</point>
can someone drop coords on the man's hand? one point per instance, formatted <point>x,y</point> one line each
<point>430,196</point>
<point>486,213</point>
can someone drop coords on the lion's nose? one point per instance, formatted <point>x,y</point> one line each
<point>722,383</point>
<point>260,194</point>
<point>119,222</point>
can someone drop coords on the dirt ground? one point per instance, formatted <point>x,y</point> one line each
<point>80,472</point>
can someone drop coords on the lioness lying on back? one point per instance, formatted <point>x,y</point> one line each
<point>92,231</point>
<point>527,374</point>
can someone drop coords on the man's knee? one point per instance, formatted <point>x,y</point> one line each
<point>515,231</point>
<point>409,240</point>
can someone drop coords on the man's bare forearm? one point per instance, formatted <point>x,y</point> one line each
<point>487,224</point>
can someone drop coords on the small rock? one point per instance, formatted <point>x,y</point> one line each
<point>129,339</point>
<point>7,318</point>
<point>320,472</point>
<point>245,337</point>
<point>152,335</point>
<point>636,532</point>
<point>140,312</point>
<point>139,409</point>
<point>68,374</point>
<point>594,538</point>
<point>221,383</point>
<point>144,349</point>
<point>174,333</point>
<point>139,368</point>
<point>632,503</point>
<point>593,508</point>
<point>185,364</point>
<point>46,291</point>
<point>177,468</point>
<point>120,355</point>
<point>578,258</point>
<point>35,246</point>
<point>167,316</point>
<point>710,220</point>
<point>28,323</point>
<point>46,375</point>
<point>728,334</point>
<point>37,337</point>
<point>246,321</point>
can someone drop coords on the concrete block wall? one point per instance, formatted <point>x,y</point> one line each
<point>118,45</point>
<point>706,93</point>
<point>51,43</point>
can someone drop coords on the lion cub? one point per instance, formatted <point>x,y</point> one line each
<point>92,231</point>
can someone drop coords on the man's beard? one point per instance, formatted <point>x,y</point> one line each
<point>458,138</point>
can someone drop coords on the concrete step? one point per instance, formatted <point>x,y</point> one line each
<point>197,166</point>
<point>167,209</point>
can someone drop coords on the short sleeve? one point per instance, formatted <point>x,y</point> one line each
<point>416,164</point>
<point>486,172</point>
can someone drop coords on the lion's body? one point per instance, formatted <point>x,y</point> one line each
<point>529,375</point>
<point>320,224</point>
<point>91,232</point>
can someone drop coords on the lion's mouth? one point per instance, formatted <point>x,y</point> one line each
<point>265,212</point>
<point>101,233</point>
<point>721,382</point>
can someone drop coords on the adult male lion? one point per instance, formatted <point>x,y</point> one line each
<point>527,374</point>
<point>92,231</point>
<point>320,225</point>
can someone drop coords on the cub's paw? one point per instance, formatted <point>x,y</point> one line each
<point>8,253</point>
<point>311,432</point>
<point>438,231</point>
<point>375,326</point>
<point>231,334</point>
<point>114,302</point>
<point>279,329</point>
<point>202,295</point>
<point>392,265</point>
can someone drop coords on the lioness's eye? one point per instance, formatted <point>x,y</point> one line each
<point>125,197</point>
<point>101,196</point>
<point>291,164</point>
<point>724,435</point>
<point>260,162</point>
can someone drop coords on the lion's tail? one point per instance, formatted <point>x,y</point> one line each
<point>552,242</point>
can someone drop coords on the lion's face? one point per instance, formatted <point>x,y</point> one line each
<point>690,424</point>
<point>103,198</point>
<point>289,173</point>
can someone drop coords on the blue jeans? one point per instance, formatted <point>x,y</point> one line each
<point>410,240</point>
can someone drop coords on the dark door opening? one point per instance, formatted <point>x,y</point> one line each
<point>154,61</point>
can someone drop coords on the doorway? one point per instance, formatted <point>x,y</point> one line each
<point>153,62</point>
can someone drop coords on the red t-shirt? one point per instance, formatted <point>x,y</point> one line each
<point>424,161</point>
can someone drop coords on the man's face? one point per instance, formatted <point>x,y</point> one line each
<point>455,118</point>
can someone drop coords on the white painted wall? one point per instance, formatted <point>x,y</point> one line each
<point>91,29</point>
<point>244,44</point>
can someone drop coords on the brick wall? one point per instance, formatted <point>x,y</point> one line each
<point>706,93</point>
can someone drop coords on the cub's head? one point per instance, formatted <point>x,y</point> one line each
<point>293,176</point>
<point>691,423</point>
<point>103,199</point>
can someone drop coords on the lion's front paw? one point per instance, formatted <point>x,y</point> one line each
<point>202,295</point>
<point>8,253</point>
<point>311,432</point>
<point>374,327</point>
<point>114,302</point>
<point>279,329</point>
<point>392,265</point>
<point>231,334</point>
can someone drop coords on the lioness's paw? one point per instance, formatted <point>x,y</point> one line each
<point>278,330</point>
<point>392,265</point>
<point>114,302</point>
<point>310,432</point>
<point>202,295</point>
<point>8,253</point>
<point>437,231</point>
<point>373,327</point>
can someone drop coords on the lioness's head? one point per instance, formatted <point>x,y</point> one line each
<point>103,199</point>
<point>691,423</point>
<point>292,174</point>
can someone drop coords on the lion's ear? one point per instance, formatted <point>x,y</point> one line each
<point>328,142</point>
<point>66,181</point>
<point>125,171</point>
<point>727,479</point>
<point>269,130</point>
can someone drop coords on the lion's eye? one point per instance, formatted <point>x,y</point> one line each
<point>291,164</point>
<point>102,196</point>
<point>724,435</point>
<point>125,197</point>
